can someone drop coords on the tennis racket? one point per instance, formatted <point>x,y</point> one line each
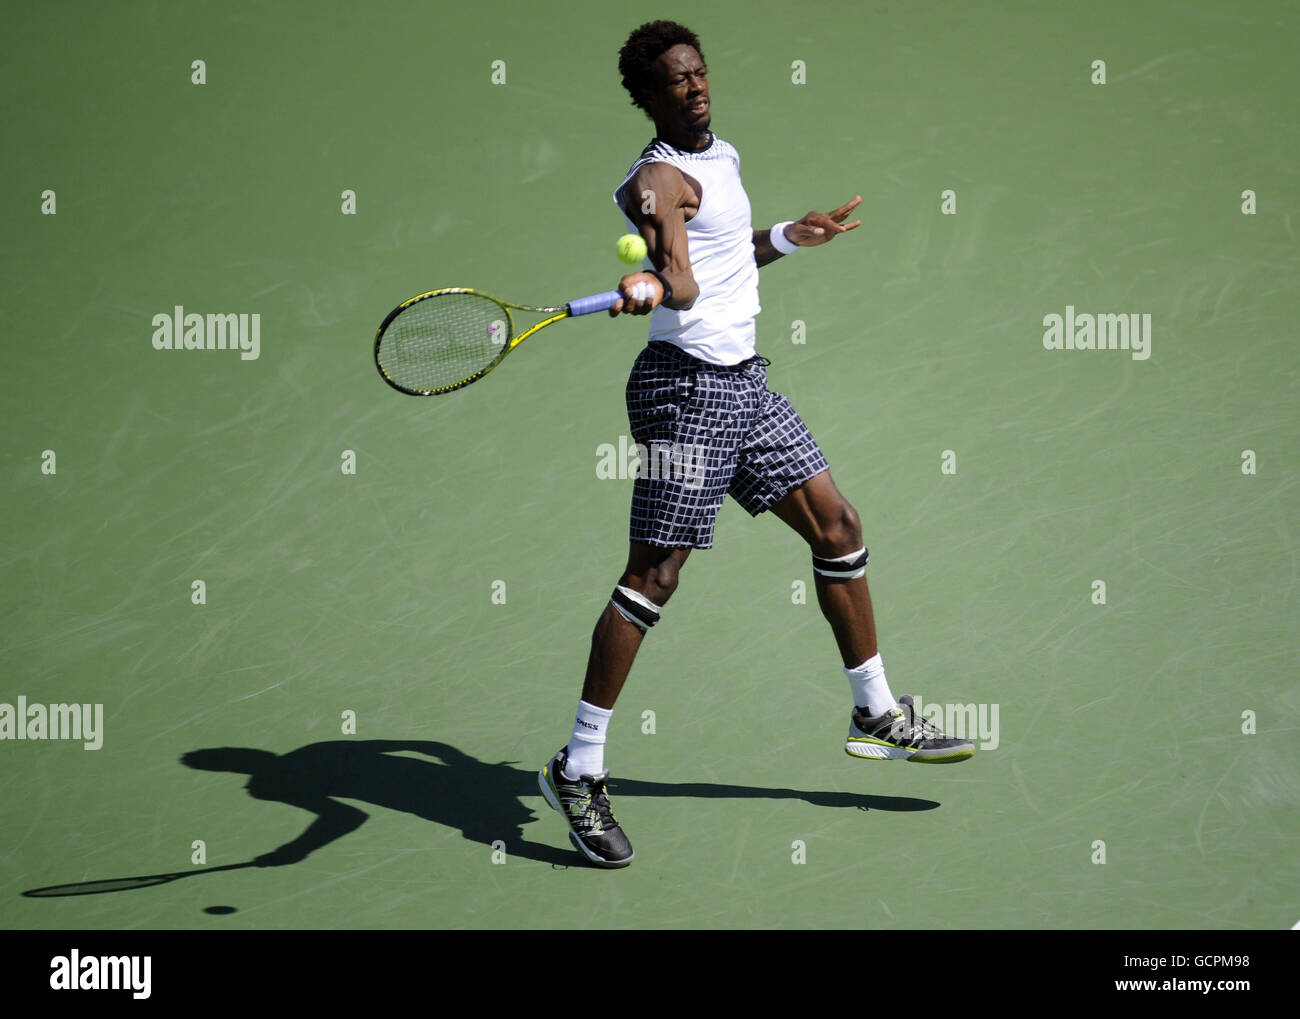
<point>443,340</point>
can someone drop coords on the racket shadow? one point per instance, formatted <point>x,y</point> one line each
<point>122,884</point>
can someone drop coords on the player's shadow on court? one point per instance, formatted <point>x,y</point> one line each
<point>484,801</point>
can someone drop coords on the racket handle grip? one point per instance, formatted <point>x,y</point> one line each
<point>597,302</point>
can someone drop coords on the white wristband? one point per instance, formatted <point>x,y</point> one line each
<point>779,240</point>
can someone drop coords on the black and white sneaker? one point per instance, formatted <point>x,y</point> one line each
<point>584,804</point>
<point>902,735</point>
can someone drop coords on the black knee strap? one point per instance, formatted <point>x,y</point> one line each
<point>635,608</point>
<point>846,567</point>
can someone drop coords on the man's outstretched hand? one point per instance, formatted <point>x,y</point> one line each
<point>822,227</point>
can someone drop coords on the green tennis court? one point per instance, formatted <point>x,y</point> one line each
<point>397,594</point>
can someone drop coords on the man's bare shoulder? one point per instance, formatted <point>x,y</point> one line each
<point>662,182</point>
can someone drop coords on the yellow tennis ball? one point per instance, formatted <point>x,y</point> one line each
<point>630,248</point>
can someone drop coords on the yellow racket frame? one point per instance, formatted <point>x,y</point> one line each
<point>556,313</point>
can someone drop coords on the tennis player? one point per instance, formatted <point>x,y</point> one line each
<point>697,400</point>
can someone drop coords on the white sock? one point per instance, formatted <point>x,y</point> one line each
<point>587,744</point>
<point>870,688</point>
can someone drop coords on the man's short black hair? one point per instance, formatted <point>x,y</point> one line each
<point>646,45</point>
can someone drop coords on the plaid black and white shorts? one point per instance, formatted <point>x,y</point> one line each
<point>708,431</point>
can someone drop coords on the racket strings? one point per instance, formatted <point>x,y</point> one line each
<point>444,341</point>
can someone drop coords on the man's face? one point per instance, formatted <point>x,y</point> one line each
<point>679,96</point>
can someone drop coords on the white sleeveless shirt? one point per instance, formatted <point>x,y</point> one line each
<point>719,326</point>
